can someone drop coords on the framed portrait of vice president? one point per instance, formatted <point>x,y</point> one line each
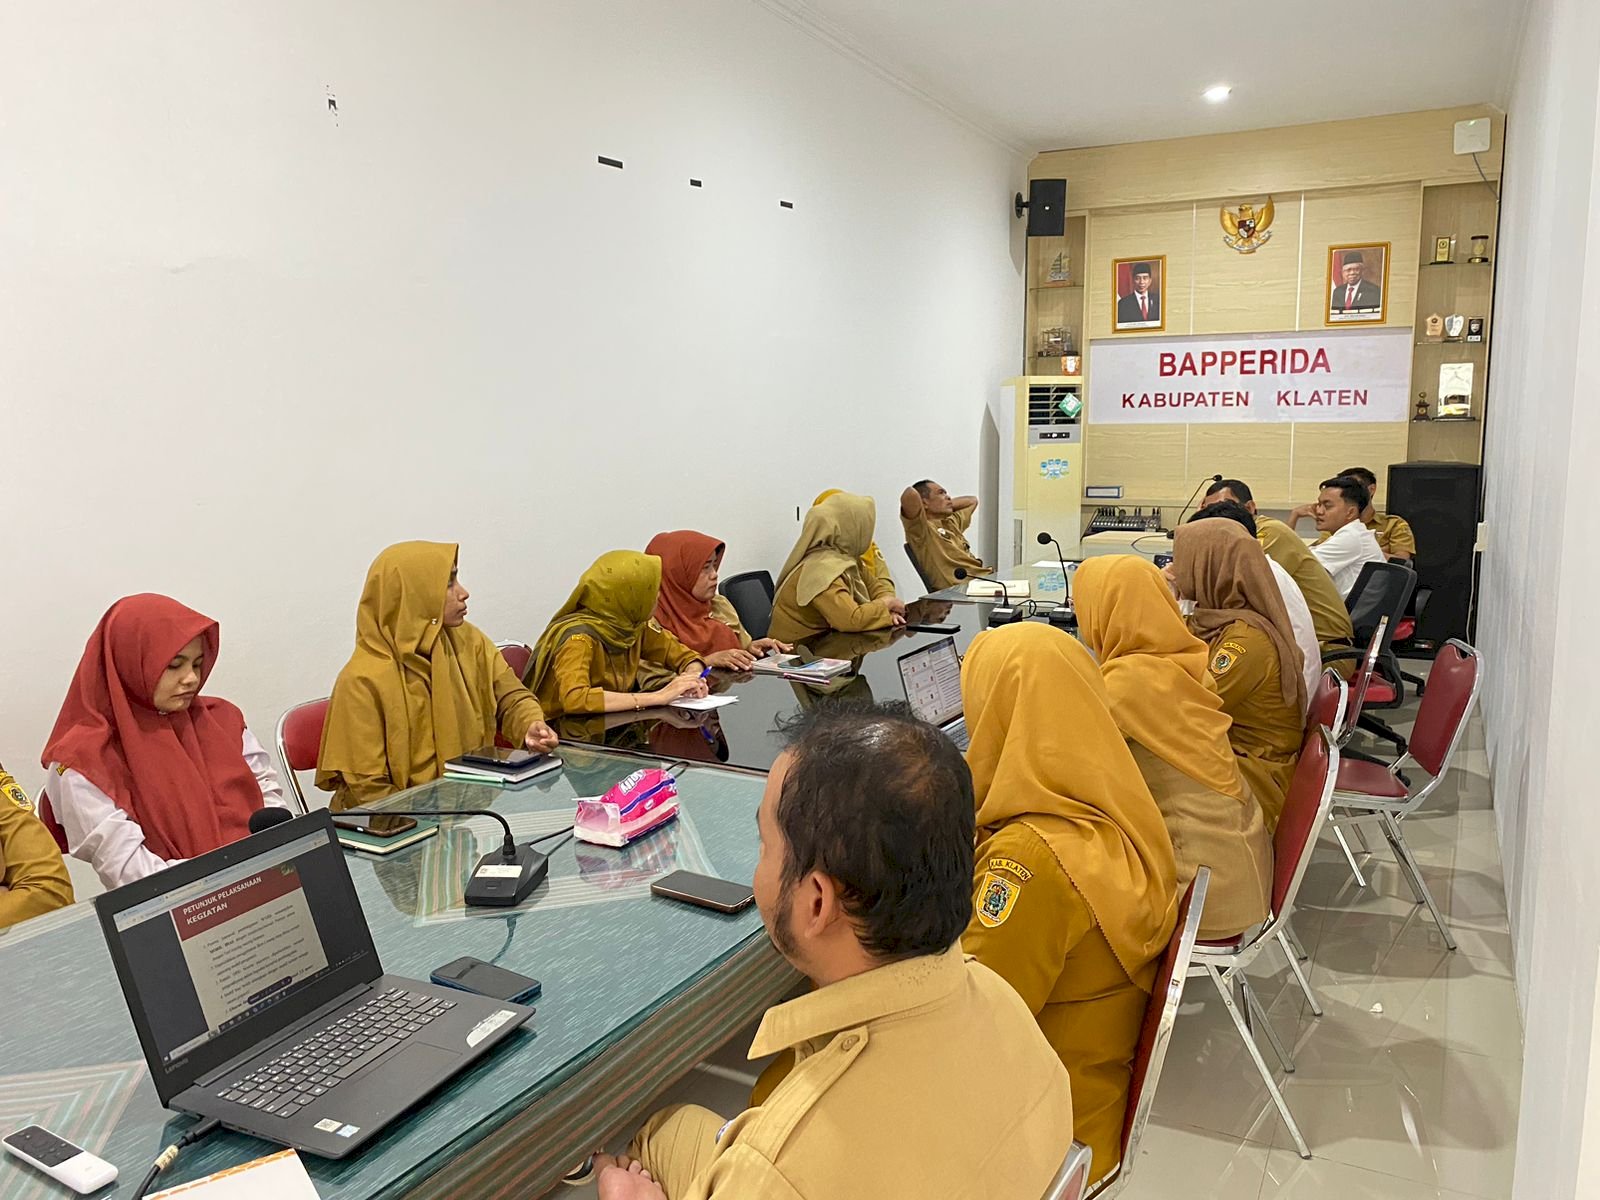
<point>1358,284</point>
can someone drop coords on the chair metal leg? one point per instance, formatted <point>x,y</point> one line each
<point>1287,931</point>
<point>1413,873</point>
<point>1261,1063</point>
<point>1284,934</point>
<point>1254,1003</point>
<point>1355,869</point>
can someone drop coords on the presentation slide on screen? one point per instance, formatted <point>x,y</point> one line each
<point>248,942</point>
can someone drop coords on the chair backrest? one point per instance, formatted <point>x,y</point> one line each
<point>518,656</point>
<point>927,584</point>
<point>1452,690</point>
<point>751,595</point>
<point>1328,702</point>
<point>1362,680</point>
<point>1160,1015</point>
<point>1304,810</point>
<point>1381,590</point>
<point>299,738</point>
<point>1073,1178</point>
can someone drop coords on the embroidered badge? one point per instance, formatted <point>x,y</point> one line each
<point>17,796</point>
<point>996,898</point>
<point>1227,655</point>
<point>1012,865</point>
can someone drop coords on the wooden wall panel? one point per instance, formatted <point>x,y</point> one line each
<point>1382,214</point>
<point>1246,293</point>
<point>1149,461</point>
<point>1257,454</point>
<point>1321,449</point>
<point>1169,231</point>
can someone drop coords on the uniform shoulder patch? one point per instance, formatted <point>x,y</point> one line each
<point>13,792</point>
<point>656,625</point>
<point>1012,865</point>
<point>997,897</point>
<point>1228,654</point>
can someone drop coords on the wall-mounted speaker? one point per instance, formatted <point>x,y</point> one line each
<point>1046,207</point>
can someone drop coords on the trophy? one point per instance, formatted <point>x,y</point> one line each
<point>1455,390</point>
<point>1454,325</point>
<point>1443,250</point>
<point>1059,273</point>
<point>1474,329</point>
<point>1435,326</point>
<point>1480,248</point>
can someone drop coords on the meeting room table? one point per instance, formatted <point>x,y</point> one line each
<point>637,989</point>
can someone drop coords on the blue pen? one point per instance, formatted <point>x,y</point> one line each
<point>704,674</point>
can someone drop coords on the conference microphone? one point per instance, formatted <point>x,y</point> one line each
<point>502,877</point>
<point>1192,495</point>
<point>1062,614</point>
<point>266,818</point>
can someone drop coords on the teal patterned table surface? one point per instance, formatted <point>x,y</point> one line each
<point>609,954</point>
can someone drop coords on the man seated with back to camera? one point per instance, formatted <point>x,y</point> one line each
<point>1330,620</point>
<point>1394,534</point>
<point>918,1072</point>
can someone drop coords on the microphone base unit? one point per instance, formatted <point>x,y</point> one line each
<point>501,882</point>
<point>1062,618</point>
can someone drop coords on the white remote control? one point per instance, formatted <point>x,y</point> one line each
<point>60,1159</point>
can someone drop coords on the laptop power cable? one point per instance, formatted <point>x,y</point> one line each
<point>166,1158</point>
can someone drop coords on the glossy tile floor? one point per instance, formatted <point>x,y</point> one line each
<point>1407,1087</point>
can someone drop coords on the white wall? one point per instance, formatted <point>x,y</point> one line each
<point>245,344</point>
<point>1540,577</point>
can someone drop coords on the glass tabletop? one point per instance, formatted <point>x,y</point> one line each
<point>608,954</point>
<point>1045,584</point>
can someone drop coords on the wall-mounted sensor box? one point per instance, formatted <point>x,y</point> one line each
<point>1472,137</point>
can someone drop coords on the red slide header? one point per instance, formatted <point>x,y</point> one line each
<point>234,900</point>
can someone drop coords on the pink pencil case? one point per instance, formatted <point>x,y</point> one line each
<point>643,801</point>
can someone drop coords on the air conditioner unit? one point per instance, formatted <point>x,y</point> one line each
<point>1041,480</point>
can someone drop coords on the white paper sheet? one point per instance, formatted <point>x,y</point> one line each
<point>280,1176</point>
<point>703,703</point>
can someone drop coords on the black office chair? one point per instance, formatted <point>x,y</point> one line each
<point>927,584</point>
<point>1381,590</point>
<point>751,595</point>
<point>1407,628</point>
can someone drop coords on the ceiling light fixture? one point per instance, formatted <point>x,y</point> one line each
<point>1217,93</point>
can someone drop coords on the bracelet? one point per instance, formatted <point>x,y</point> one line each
<point>635,701</point>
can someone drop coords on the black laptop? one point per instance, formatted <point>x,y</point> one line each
<point>258,998</point>
<point>932,679</point>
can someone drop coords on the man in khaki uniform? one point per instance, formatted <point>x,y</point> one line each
<point>936,526</point>
<point>33,879</point>
<point>918,1072</point>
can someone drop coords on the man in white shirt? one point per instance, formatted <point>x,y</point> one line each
<point>1305,630</point>
<point>1350,545</point>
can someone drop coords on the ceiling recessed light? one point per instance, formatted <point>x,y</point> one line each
<point>1217,93</point>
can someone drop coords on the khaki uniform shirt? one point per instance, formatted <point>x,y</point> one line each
<point>33,879</point>
<point>939,544</point>
<point>1329,617</point>
<point>584,670</point>
<point>1266,729</point>
<point>927,1077</point>
<point>834,608</point>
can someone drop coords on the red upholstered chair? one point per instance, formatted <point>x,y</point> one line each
<point>518,656</point>
<point>1304,811</point>
<point>1328,703</point>
<point>1160,1015</point>
<point>299,738</point>
<point>1367,791</point>
<point>1073,1177</point>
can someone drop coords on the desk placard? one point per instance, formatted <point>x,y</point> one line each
<point>1337,375</point>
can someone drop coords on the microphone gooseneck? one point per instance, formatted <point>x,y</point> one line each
<point>1192,495</point>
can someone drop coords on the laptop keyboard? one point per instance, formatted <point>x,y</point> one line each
<point>956,731</point>
<point>303,1074</point>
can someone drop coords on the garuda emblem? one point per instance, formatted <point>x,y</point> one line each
<point>1247,231</point>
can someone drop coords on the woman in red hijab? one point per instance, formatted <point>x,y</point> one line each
<point>144,771</point>
<point>690,609</point>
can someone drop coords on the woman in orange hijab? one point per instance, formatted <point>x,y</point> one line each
<point>1076,887</point>
<point>144,770</point>
<point>1172,718</point>
<point>689,608</point>
<point>1255,665</point>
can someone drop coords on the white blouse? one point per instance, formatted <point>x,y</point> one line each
<point>1305,632</point>
<point>112,842</point>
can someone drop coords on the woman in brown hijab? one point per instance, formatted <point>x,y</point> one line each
<point>423,685</point>
<point>1172,718</point>
<point>1255,664</point>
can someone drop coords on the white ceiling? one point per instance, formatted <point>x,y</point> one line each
<point>1050,74</point>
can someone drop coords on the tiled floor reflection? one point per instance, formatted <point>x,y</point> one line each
<point>1406,1088</point>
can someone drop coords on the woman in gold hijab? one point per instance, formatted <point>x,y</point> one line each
<point>1255,665</point>
<point>822,586</point>
<point>422,687</point>
<point>1076,887</point>
<point>1162,700</point>
<point>873,566</point>
<point>587,660</point>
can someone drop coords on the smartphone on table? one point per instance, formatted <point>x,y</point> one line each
<point>376,824</point>
<point>485,979</point>
<point>703,891</point>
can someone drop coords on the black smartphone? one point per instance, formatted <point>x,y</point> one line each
<point>376,824</point>
<point>1163,560</point>
<point>933,627</point>
<point>704,892</point>
<point>485,979</point>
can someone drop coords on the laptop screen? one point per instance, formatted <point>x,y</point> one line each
<point>242,943</point>
<point>932,677</point>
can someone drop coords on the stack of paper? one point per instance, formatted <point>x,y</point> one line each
<point>280,1176</point>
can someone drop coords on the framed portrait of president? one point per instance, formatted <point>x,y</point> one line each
<point>1139,291</point>
<point>1358,284</point>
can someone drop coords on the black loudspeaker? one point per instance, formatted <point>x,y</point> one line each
<point>1047,207</point>
<point>1440,500</point>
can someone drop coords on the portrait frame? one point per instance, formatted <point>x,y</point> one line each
<point>1122,286</point>
<point>1375,258</point>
